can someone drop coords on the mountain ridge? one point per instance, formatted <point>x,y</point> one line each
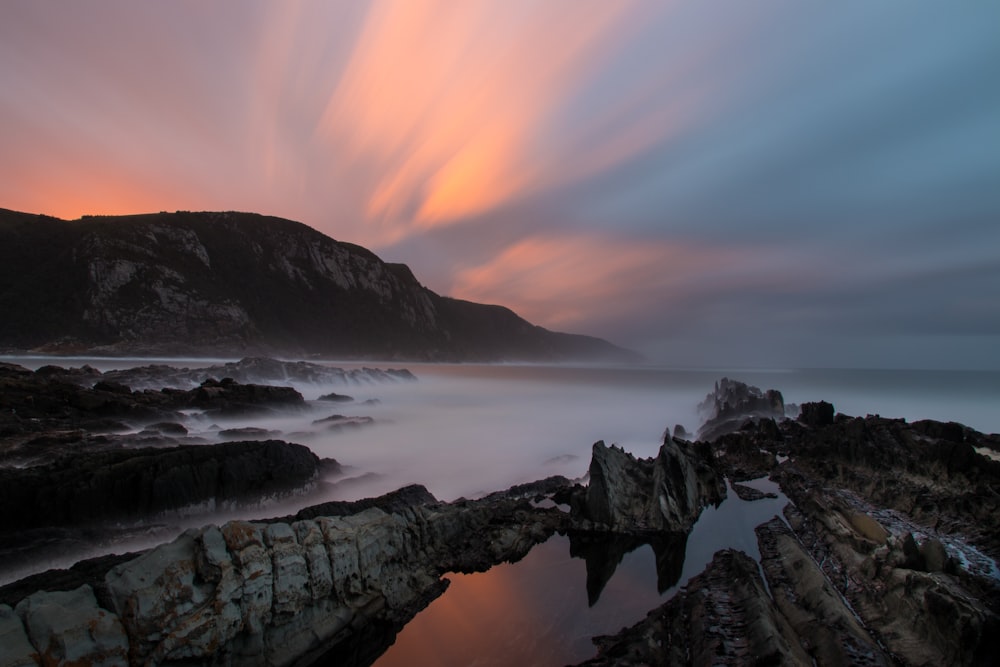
<point>239,283</point>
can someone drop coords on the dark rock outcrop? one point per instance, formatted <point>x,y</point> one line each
<point>130,484</point>
<point>732,403</point>
<point>662,494</point>
<point>49,398</point>
<point>224,283</point>
<point>252,370</point>
<point>816,414</point>
<point>273,593</point>
<point>724,616</point>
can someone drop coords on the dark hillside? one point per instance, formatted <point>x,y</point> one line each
<point>238,283</point>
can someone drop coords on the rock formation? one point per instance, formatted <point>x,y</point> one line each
<point>86,488</point>
<point>273,593</point>
<point>662,494</point>
<point>254,370</point>
<point>238,283</point>
<point>732,403</point>
<point>886,555</point>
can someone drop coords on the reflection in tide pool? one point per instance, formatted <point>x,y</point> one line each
<point>543,610</point>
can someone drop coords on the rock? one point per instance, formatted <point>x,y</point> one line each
<point>723,616</point>
<point>247,433</point>
<point>341,422</point>
<point>732,403</point>
<point>129,484</point>
<point>227,397</point>
<point>816,414</point>
<point>15,649</point>
<point>744,492</point>
<point>256,370</point>
<point>168,428</point>
<point>68,627</point>
<point>666,493</point>
<point>336,398</point>
<point>827,628</point>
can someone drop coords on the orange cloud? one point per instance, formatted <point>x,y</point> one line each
<point>444,102</point>
<point>562,281</point>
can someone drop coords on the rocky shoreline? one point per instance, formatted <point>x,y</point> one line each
<point>886,554</point>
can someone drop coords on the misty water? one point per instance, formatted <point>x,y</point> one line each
<point>466,430</point>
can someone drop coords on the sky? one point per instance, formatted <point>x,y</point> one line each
<point>714,183</point>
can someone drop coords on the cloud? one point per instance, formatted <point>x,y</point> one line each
<point>446,105</point>
<point>599,283</point>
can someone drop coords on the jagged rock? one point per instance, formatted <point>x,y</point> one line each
<point>827,628</point>
<point>271,593</point>
<point>919,617</point>
<point>732,403</point>
<point>723,616</point>
<point>665,493</point>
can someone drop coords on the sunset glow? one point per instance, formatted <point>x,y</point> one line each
<point>655,173</point>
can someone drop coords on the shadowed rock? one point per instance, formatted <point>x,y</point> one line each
<point>87,488</point>
<point>271,593</point>
<point>732,403</point>
<point>662,494</point>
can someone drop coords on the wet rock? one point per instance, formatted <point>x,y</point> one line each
<point>247,433</point>
<point>665,493</point>
<point>723,616</point>
<point>732,403</point>
<point>341,422</point>
<point>255,370</point>
<point>168,428</point>
<point>68,627</point>
<point>334,397</point>
<point>268,593</point>
<point>86,488</point>
<point>749,493</point>
<point>827,628</point>
<point>227,397</point>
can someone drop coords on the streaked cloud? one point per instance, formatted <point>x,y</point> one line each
<point>663,174</point>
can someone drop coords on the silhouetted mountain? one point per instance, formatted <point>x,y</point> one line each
<point>239,283</point>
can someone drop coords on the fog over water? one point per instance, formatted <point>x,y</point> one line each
<point>466,430</point>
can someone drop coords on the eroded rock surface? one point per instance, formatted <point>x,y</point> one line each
<point>662,494</point>
<point>272,593</point>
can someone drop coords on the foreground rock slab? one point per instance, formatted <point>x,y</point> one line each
<point>273,593</point>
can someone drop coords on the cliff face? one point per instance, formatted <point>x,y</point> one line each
<point>239,283</point>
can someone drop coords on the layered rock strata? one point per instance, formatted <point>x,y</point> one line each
<point>281,592</point>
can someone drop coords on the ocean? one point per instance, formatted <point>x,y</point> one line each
<point>465,430</point>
